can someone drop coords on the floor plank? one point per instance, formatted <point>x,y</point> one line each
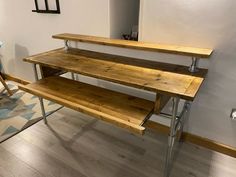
<point>77,145</point>
<point>11,166</point>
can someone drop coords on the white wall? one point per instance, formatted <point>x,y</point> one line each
<point>124,14</point>
<point>25,33</point>
<point>200,23</point>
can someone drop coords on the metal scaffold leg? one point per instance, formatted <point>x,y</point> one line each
<point>40,99</point>
<point>194,66</point>
<point>73,76</point>
<point>171,138</point>
<point>182,119</point>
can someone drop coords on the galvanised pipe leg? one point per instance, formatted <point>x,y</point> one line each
<point>73,76</point>
<point>171,138</point>
<point>43,110</point>
<point>40,99</point>
<point>66,49</point>
<point>187,107</point>
<point>35,72</point>
<point>194,66</point>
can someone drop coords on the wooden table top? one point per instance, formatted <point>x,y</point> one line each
<point>164,48</point>
<point>163,78</point>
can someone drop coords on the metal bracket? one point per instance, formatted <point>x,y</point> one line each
<point>194,66</point>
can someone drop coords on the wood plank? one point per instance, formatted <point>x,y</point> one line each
<point>168,79</point>
<point>163,48</point>
<point>123,110</point>
<point>11,166</point>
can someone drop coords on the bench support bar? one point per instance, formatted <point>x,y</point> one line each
<point>73,76</point>
<point>40,99</point>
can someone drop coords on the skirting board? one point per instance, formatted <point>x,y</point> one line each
<point>187,137</point>
<point>194,139</point>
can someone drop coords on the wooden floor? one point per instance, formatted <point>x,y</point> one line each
<point>74,145</point>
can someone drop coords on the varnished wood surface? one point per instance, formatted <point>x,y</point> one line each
<point>74,145</point>
<point>163,78</point>
<point>172,49</point>
<point>123,110</point>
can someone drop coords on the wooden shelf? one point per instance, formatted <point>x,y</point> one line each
<point>172,49</point>
<point>123,110</point>
<point>163,78</point>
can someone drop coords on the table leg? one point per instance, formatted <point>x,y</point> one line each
<point>171,138</point>
<point>40,99</point>
<point>183,118</point>
<point>73,76</point>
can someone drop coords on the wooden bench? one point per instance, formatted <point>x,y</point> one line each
<point>166,80</point>
<point>98,102</point>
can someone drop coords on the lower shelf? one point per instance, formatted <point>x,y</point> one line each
<point>120,109</point>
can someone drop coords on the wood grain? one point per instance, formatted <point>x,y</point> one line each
<point>168,79</point>
<point>117,108</point>
<point>172,49</point>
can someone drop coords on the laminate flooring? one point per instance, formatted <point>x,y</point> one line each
<point>75,145</point>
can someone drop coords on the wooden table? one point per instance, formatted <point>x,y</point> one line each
<point>166,80</point>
